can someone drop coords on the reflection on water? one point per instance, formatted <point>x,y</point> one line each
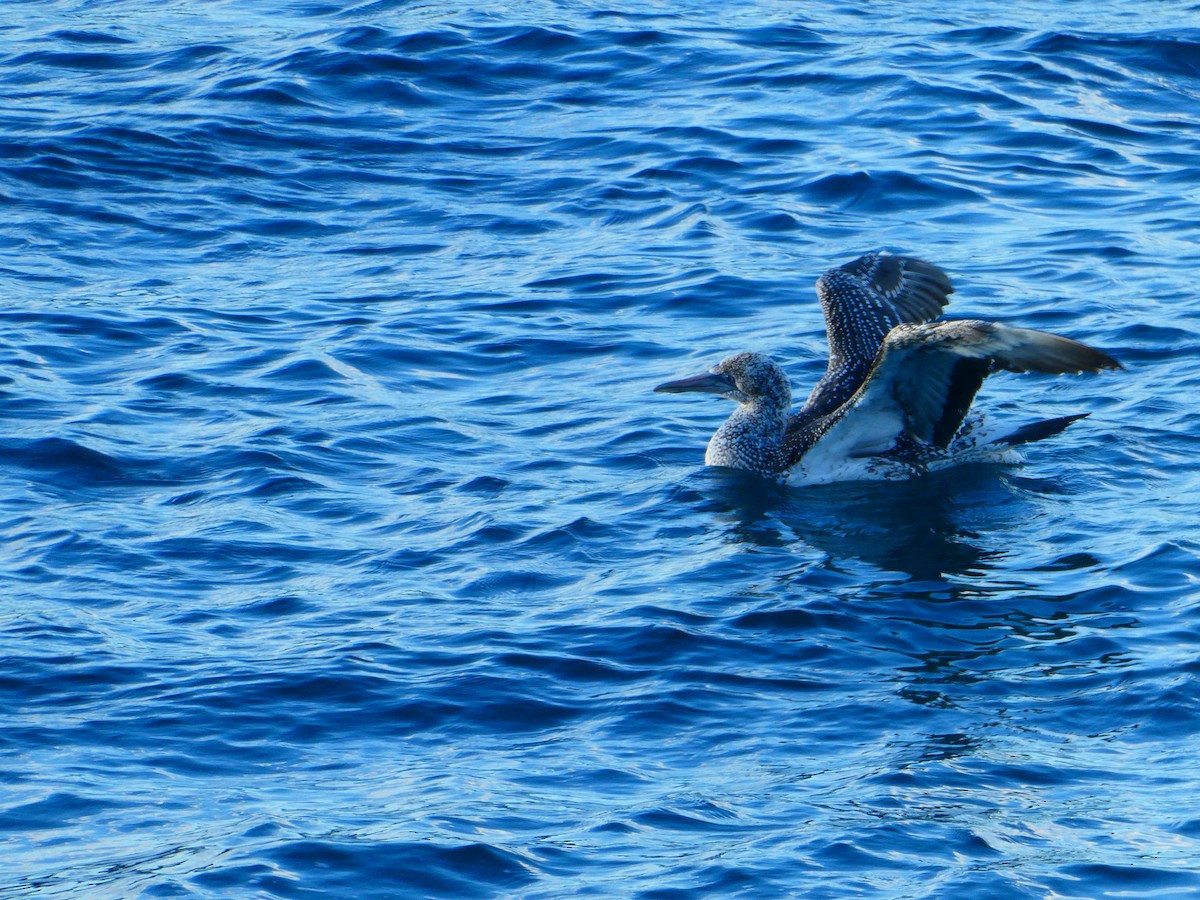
<point>927,527</point>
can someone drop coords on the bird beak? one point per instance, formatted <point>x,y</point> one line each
<point>705,383</point>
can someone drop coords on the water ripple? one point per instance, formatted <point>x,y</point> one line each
<point>349,552</point>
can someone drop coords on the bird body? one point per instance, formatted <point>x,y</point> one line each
<point>895,396</point>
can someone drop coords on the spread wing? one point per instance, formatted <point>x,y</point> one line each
<point>926,376</point>
<point>863,300</point>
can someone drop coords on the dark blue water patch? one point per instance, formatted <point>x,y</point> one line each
<point>1115,134</point>
<point>700,818</point>
<point>542,42</point>
<point>783,37</point>
<point>1178,56</point>
<point>88,37</point>
<point>57,811</point>
<point>70,465</point>
<point>109,329</point>
<point>90,62</point>
<point>394,250</point>
<point>276,607</point>
<point>885,191</point>
<point>1151,571</point>
<point>379,869</point>
<point>774,222</point>
<point>567,668</point>
<point>1160,881</point>
<point>986,35</point>
<point>511,583</point>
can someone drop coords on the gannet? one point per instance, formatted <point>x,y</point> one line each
<point>894,399</point>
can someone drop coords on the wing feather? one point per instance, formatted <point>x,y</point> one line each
<point>926,376</point>
<point>862,301</point>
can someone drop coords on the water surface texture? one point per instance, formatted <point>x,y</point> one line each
<point>348,553</point>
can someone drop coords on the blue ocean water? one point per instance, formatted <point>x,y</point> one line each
<point>347,552</point>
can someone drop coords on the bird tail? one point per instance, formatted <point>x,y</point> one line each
<point>1036,431</point>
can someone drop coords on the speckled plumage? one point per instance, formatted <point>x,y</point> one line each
<point>896,392</point>
<point>862,301</point>
<point>750,438</point>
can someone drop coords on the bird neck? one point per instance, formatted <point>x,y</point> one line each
<point>769,413</point>
<point>751,439</point>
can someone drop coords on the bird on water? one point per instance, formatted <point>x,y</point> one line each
<point>895,397</point>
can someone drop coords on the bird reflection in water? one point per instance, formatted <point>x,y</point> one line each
<point>927,528</point>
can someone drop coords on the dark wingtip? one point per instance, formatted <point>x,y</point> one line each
<point>1101,361</point>
<point>1051,354</point>
<point>1093,359</point>
<point>1036,431</point>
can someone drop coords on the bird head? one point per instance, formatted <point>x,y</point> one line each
<point>747,378</point>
